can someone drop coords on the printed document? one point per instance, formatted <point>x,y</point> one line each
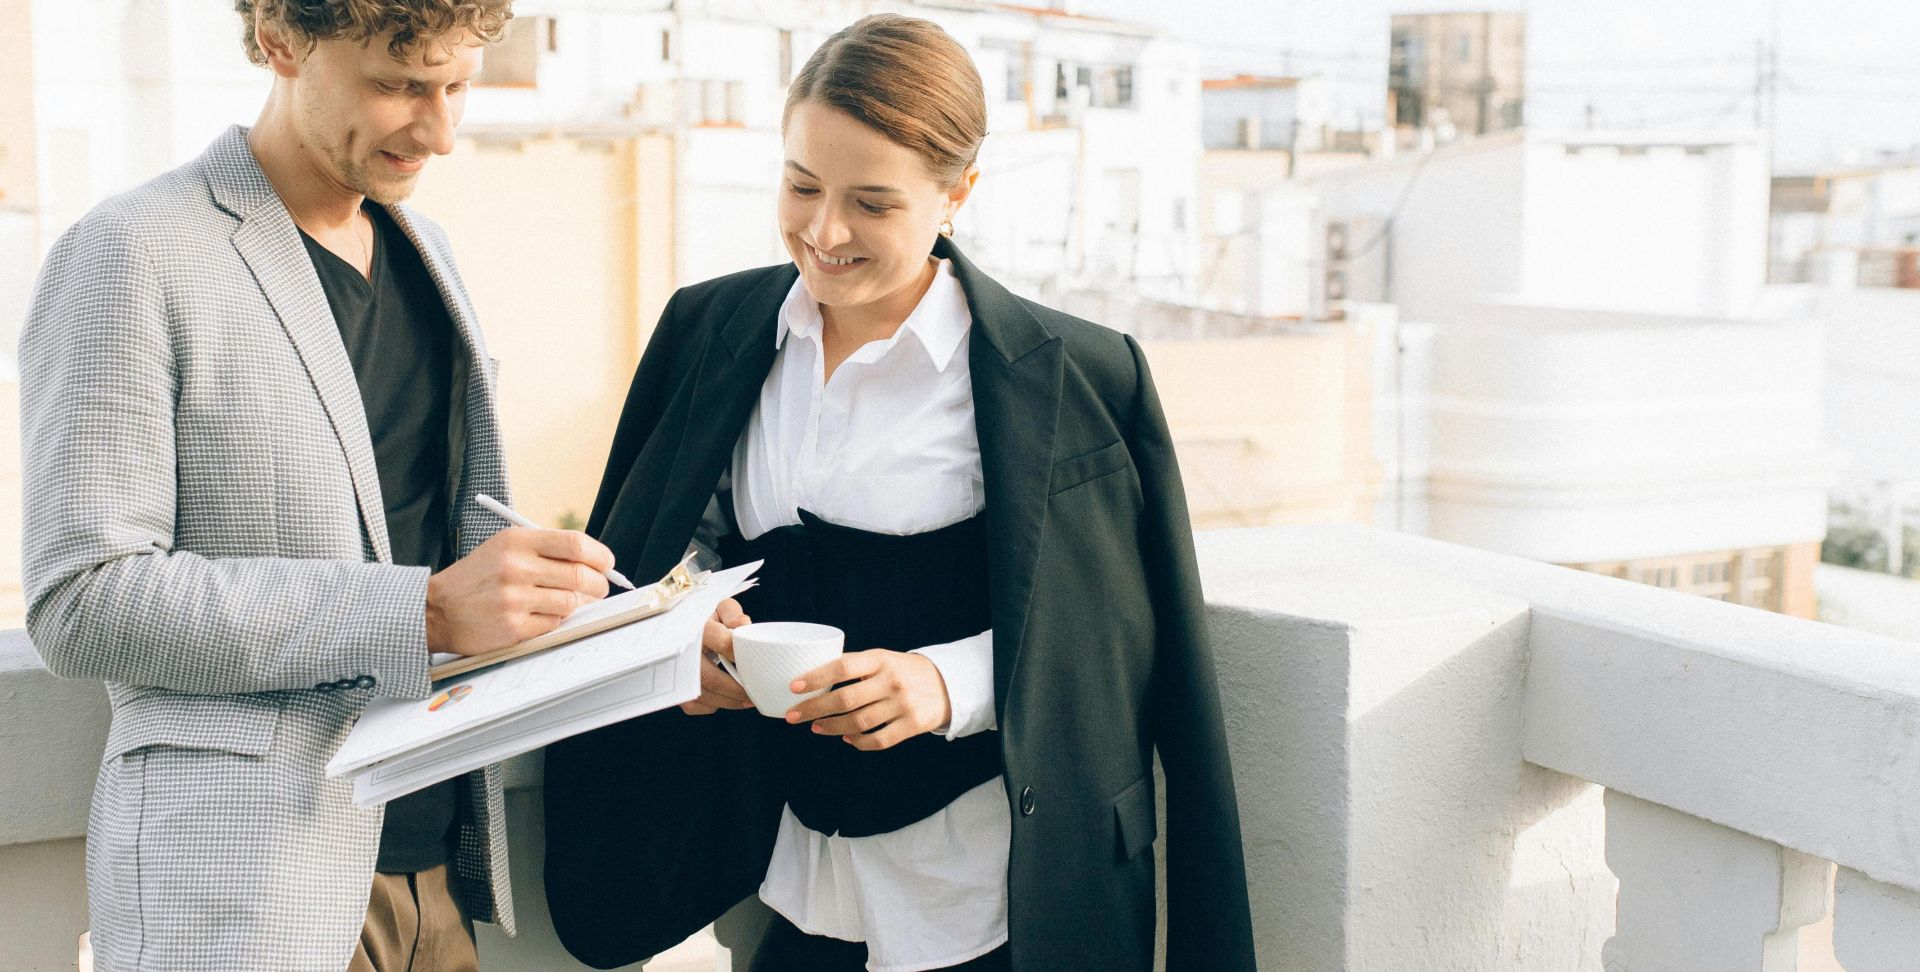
<point>484,716</point>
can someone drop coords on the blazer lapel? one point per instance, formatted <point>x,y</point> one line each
<point>477,429</point>
<point>440,268</point>
<point>270,244</point>
<point>714,409</point>
<point>1017,374</point>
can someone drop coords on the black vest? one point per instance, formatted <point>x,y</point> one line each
<point>897,592</point>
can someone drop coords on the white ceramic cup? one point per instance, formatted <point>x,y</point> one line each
<point>769,655</point>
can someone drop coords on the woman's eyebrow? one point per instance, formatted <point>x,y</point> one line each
<point>797,167</point>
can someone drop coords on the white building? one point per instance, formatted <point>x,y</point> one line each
<point>1606,221</point>
<point>124,91</point>
<point>1257,219</point>
<point>1258,248</point>
<point>1872,377</point>
<point>1640,445</point>
<point>1859,227</point>
<point>1088,170</point>
<point>1254,112</point>
<point>1577,374</point>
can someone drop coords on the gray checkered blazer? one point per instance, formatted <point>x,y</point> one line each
<point>204,532</point>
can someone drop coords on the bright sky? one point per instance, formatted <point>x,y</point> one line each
<point>1849,69</point>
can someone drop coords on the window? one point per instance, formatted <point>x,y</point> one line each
<point>722,103</point>
<point>1750,577</point>
<point>1016,62</point>
<point>1121,81</point>
<point>515,61</point>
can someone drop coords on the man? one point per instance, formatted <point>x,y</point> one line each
<point>256,412</point>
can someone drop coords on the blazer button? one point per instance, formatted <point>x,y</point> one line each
<point>344,684</point>
<point>323,687</point>
<point>365,682</point>
<point>1026,802</point>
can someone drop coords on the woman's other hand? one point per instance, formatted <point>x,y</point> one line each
<point>718,690</point>
<point>892,697</point>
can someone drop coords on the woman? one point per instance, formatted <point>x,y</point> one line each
<point>929,463</point>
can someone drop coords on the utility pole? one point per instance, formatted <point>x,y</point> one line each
<point>1773,90</point>
<point>1766,85</point>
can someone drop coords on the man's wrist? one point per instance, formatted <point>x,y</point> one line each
<point>436,622</point>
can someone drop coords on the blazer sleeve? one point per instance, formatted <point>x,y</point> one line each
<point>1209,925</point>
<point>108,596</point>
<point>657,825</point>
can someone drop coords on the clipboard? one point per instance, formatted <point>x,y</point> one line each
<point>605,615</point>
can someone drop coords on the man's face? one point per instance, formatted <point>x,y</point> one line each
<point>370,122</point>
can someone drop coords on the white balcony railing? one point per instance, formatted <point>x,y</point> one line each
<point>1447,759</point>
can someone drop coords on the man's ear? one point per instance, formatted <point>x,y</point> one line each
<point>284,56</point>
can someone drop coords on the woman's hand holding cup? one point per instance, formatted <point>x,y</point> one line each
<point>718,690</point>
<point>891,696</point>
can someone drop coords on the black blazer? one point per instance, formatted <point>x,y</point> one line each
<point>657,825</point>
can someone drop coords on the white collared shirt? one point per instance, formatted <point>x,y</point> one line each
<point>887,446</point>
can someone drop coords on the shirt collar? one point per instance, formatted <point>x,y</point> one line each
<point>937,324</point>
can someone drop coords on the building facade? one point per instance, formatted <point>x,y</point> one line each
<point>1627,221</point>
<point>1456,74</point>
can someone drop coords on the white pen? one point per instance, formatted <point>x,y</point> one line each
<point>507,514</point>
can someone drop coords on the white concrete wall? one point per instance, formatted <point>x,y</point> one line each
<point>1581,436</point>
<point>1375,711</point>
<point>1418,730</point>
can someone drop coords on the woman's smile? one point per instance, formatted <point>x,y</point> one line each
<point>833,264</point>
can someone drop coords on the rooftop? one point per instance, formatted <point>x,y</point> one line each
<point>1536,768</point>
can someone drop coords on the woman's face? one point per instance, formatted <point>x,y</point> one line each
<point>858,212</point>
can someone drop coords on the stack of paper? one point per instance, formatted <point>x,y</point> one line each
<point>484,716</point>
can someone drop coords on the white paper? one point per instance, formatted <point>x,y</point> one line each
<point>400,745</point>
<point>670,681</point>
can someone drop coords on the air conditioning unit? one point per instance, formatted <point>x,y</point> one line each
<point>1353,265</point>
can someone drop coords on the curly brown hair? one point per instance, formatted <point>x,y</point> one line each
<point>410,21</point>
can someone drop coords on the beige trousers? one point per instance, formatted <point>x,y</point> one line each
<point>415,924</point>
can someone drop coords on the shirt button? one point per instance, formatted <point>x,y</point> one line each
<point>1026,802</point>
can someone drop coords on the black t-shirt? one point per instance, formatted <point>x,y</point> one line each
<point>401,343</point>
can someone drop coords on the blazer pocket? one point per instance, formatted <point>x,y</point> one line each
<point>239,724</point>
<point>1133,820</point>
<point>1084,468</point>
